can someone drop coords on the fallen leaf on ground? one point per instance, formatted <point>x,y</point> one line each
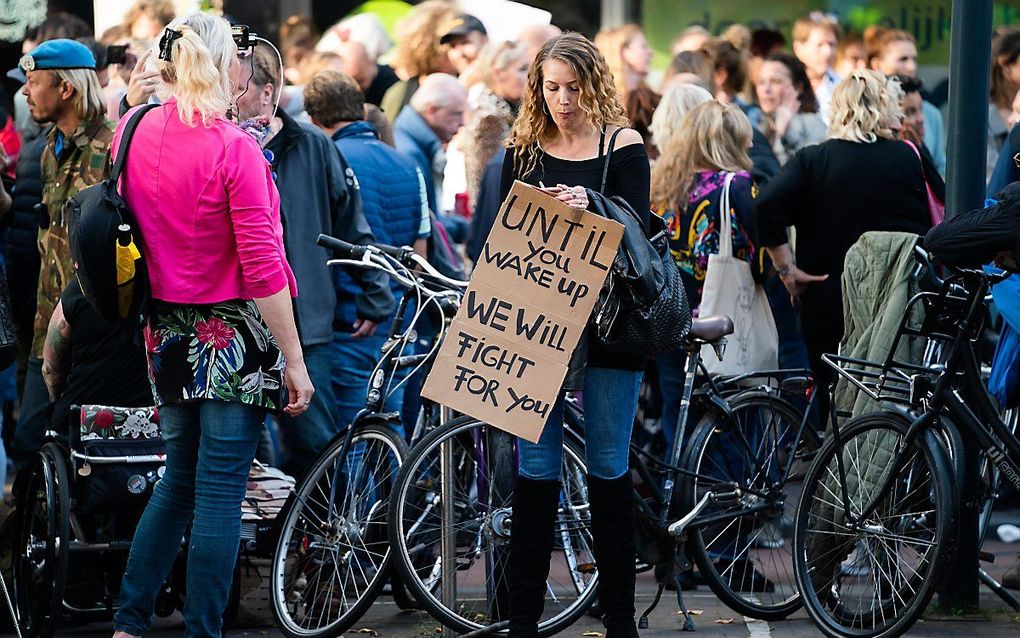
<point>726,621</point>
<point>692,612</point>
<point>592,634</point>
<point>367,630</point>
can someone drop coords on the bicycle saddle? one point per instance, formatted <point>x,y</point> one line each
<point>712,328</point>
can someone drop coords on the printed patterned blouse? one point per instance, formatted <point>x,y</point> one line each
<point>222,351</point>
<point>694,232</point>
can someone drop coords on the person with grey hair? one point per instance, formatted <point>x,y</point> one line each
<point>426,125</point>
<point>360,41</point>
<point>319,193</point>
<point>422,131</point>
<point>673,106</point>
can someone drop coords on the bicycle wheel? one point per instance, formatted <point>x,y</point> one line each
<point>746,555</point>
<point>40,563</point>
<point>874,578</point>
<point>332,556</point>
<point>477,526</point>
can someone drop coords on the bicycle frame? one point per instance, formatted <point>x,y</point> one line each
<point>715,393</point>
<point>391,358</point>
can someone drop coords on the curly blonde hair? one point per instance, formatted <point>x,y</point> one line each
<point>418,52</point>
<point>864,104</point>
<point>712,135</point>
<point>597,97</point>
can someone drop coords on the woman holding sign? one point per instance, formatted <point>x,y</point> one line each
<point>570,124</point>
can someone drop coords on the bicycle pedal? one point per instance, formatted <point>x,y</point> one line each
<point>986,556</point>
<point>586,568</point>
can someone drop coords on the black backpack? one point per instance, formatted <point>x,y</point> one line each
<point>106,245</point>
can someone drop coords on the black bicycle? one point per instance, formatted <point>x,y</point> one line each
<point>876,521</point>
<point>724,496</point>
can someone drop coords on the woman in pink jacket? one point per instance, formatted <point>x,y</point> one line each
<point>221,341</point>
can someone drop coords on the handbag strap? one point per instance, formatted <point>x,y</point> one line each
<point>725,221</point>
<point>125,140</point>
<point>609,154</point>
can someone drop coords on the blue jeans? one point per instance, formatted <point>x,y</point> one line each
<point>610,404</point>
<point>792,351</point>
<point>353,362</point>
<point>210,446</point>
<point>307,434</point>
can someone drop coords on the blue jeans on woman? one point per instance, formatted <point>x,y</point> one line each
<point>210,446</point>
<point>610,403</point>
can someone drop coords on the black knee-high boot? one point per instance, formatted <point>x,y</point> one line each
<point>612,526</point>
<point>531,544</point>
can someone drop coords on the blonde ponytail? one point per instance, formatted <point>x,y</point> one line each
<point>198,70</point>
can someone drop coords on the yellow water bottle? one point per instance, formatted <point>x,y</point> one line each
<point>127,254</point>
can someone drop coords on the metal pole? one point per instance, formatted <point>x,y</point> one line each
<point>967,125</point>
<point>448,536</point>
<point>970,46</point>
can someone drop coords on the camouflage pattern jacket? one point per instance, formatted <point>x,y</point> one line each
<point>84,160</point>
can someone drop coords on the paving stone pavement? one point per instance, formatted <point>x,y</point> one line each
<point>385,620</point>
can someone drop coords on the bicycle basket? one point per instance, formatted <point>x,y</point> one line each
<point>931,320</point>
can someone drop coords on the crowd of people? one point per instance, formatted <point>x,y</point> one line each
<point>415,141</point>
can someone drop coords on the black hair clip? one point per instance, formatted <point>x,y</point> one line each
<point>167,42</point>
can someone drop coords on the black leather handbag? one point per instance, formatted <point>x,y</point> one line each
<point>642,308</point>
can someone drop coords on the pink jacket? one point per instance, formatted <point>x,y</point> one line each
<point>207,208</point>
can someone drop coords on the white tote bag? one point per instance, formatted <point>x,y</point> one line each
<point>730,290</point>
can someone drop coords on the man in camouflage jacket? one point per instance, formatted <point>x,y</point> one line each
<point>62,88</point>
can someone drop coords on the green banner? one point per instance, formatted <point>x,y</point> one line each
<point>927,20</point>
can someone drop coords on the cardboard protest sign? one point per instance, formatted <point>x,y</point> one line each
<point>530,298</point>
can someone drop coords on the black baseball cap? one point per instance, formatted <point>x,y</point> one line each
<point>460,26</point>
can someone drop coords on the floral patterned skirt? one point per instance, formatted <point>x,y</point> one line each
<point>221,351</point>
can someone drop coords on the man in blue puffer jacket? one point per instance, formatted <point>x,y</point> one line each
<point>394,201</point>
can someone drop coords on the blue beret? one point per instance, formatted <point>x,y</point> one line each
<point>58,54</point>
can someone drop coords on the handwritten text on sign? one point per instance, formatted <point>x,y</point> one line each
<point>531,294</point>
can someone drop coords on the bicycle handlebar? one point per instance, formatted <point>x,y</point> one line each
<point>372,256</point>
<point>924,258</point>
<point>343,249</point>
<point>347,250</point>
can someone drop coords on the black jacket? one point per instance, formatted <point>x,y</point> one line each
<point>976,238</point>
<point>319,194</point>
<point>22,222</point>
